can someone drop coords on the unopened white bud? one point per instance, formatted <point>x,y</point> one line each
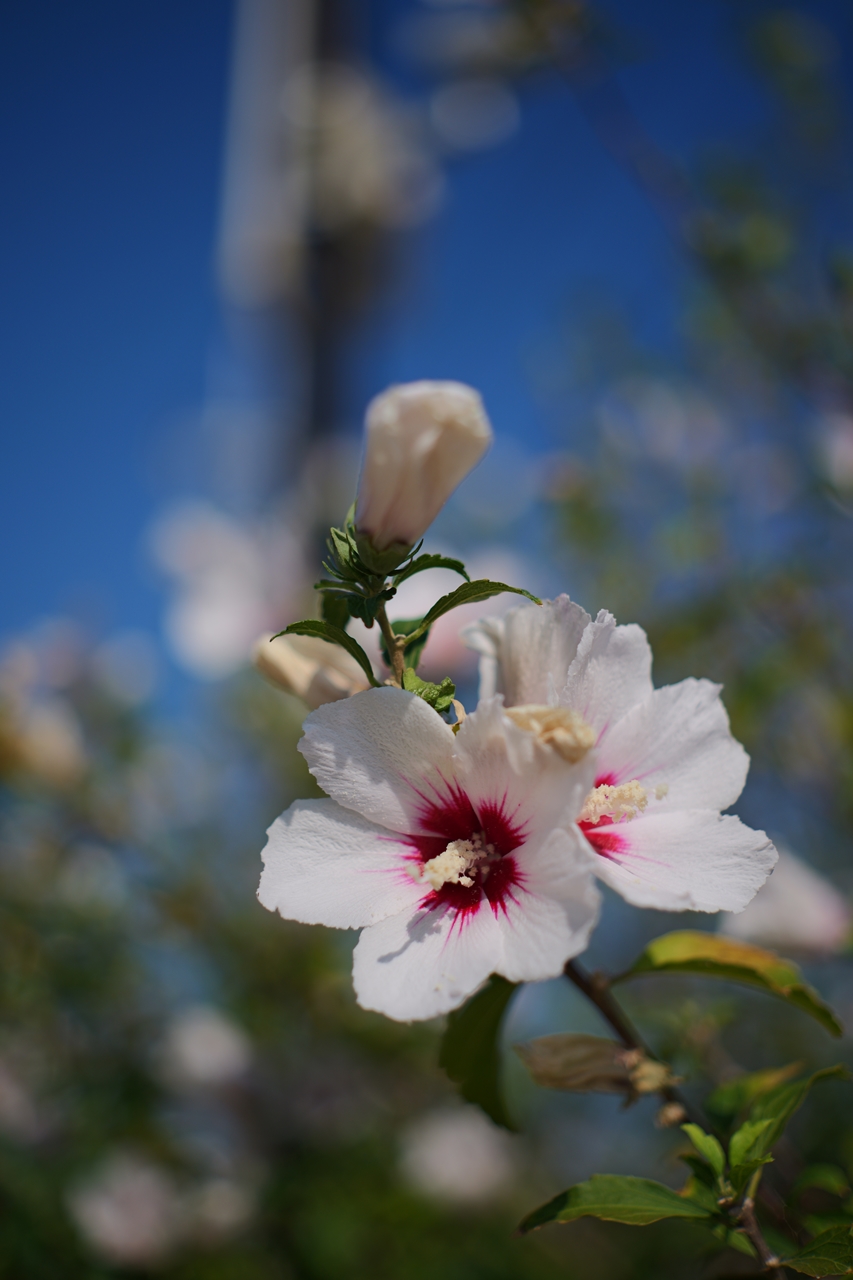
<point>311,669</point>
<point>421,440</point>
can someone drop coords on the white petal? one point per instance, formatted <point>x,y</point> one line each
<point>499,764</point>
<point>486,638</point>
<point>412,967</point>
<point>691,860</point>
<point>679,738</point>
<point>326,865</point>
<point>611,673</point>
<point>534,647</point>
<point>370,753</point>
<point>550,920</point>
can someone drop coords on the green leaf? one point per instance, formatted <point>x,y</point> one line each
<point>746,1143</point>
<point>335,610</point>
<point>824,1177</point>
<point>438,696</point>
<point>701,1193</point>
<point>829,1254</point>
<point>708,1147</point>
<point>700,1170</point>
<point>430,562</point>
<point>414,649</point>
<point>710,954</point>
<point>326,631</point>
<point>779,1106</point>
<point>470,1050</point>
<point>737,1240</point>
<point>468,593</point>
<point>636,1201</point>
<point>733,1097</point>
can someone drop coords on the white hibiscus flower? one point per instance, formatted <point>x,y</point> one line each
<point>667,763</point>
<point>457,854</point>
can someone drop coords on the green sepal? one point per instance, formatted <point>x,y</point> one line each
<point>708,1147</point>
<point>829,1254</point>
<point>326,631</point>
<point>413,651</point>
<point>430,562</point>
<point>470,1050</point>
<point>438,696</point>
<point>636,1201</point>
<point>714,956</point>
<point>382,563</point>
<point>469,593</point>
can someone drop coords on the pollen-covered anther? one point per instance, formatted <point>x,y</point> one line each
<point>557,727</point>
<point>452,866</point>
<point>624,801</point>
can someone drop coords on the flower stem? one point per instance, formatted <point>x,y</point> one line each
<point>394,644</point>
<point>750,1228</point>
<point>596,988</point>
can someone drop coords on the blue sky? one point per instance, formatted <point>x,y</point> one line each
<point>111,149</point>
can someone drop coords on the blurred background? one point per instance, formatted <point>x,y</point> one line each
<point>227,224</point>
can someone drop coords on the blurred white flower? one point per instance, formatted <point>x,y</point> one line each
<point>677,425</point>
<point>370,162</point>
<point>91,878</point>
<point>835,449</point>
<point>473,113</point>
<point>204,1047</point>
<point>421,440</point>
<point>128,1210</point>
<point>231,582</point>
<point>220,1208</point>
<point>309,668</point>
<point>310,144</point>
<point>21,1117</point>
<point>457,1155</point>
<point>50,741</point>
<point>796,910</point>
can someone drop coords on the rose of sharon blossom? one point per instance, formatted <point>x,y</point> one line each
<point>666,762</point>
<point>456,854</point>
<point>421,440</point>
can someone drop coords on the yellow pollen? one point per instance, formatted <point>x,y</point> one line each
<point>616,803</point>
<point>557,727</point>
<point>458,858</point>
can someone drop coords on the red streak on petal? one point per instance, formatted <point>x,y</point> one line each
<point>606,843</point>
<point>451,816</point>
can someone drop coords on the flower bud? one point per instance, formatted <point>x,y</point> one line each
<point>422,439</point>
<point>311,669</point>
